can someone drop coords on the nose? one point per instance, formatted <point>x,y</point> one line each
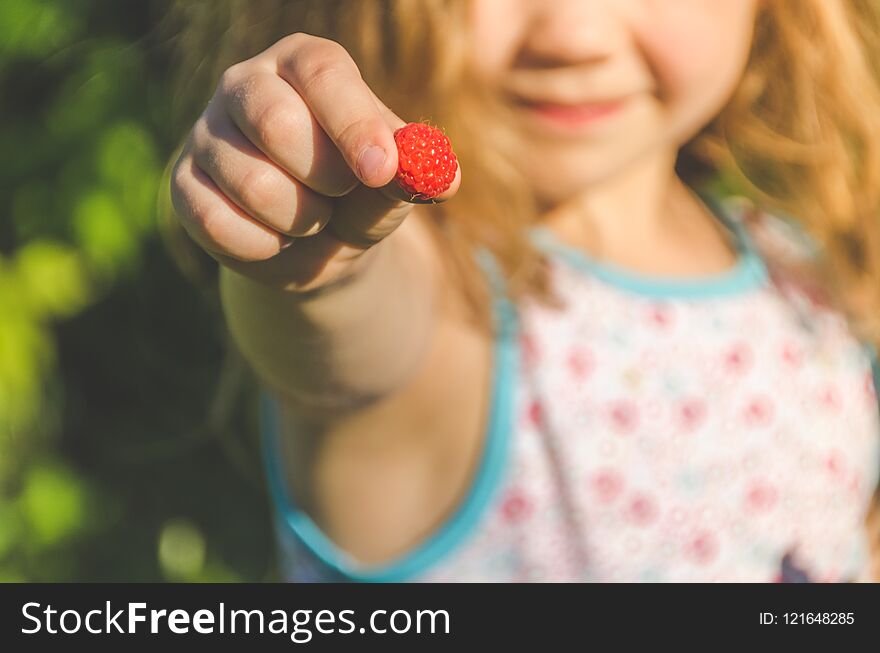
<point>572,31</point>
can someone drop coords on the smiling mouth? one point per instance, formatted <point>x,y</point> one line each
<point>573,115</point>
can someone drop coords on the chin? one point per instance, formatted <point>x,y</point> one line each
<point>550,195</point>
<point>560,174</point>
<point>560,180</point>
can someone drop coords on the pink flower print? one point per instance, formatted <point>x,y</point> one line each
<point>855,483</point>
<point>829,398</point>
<point>758,412</point>
<point>761,497</point>
<point>691,413</point>
<point>835,463</point>
<point>607,484</point>
<point>702,548</point>
<point>660,316</point>
<point>516,506</point>
<point>792,354</point>
<point>642,509</point>
<point>530,351</point>
<point>624,416</point>
<point>580,362</point>
<point>536,413</point>
<point>738,359</point>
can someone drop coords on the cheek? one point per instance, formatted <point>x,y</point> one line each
<point>493,35</point>
<point>697,50</point>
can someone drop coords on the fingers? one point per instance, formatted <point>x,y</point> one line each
<point>365,216</point>
<point>276,120</point>
<point>214,221</point>
<point>294,143</point>
<point>324,75</point>
<point>252,181</point>
<point>307,264</point>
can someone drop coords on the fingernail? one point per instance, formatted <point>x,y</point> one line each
<point>370,162</point>
<point>315,228</point>
<point>286,241</point>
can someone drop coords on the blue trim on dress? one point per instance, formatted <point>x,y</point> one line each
<point>871,353</point>
<point>462,523</point>
<point>749,272</point>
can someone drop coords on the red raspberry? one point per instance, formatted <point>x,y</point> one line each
<point>426,164</point>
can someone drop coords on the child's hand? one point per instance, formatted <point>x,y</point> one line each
<point>293,143</point>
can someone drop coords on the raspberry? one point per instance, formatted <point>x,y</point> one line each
<point>426,164</point>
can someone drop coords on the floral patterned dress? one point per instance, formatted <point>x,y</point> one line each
<point>720,428</point>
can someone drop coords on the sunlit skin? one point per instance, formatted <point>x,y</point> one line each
<point>652,74</point>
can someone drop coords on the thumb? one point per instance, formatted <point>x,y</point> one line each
<point>366,215</point>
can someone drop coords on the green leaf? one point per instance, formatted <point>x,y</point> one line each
<point>181,550</point>
<point>53,502</point>
<point>36,28</point>
<point>53,279</point>
<point>10,528</point>
<point>128,162</point>
<point>26,352</point>
<point>106,237</point>
<point>100,88</point>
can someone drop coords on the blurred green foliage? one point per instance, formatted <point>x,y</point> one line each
<point>127,447</point>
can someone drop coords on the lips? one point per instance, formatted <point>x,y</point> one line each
<point>565,102</point>
<point>575,112</point>
<point>569,115</point>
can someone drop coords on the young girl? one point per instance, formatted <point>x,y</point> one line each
<point>587,361</point>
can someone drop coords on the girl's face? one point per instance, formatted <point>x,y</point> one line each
<point>598,86</point>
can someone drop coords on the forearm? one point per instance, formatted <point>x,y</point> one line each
<point>346,346</point>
